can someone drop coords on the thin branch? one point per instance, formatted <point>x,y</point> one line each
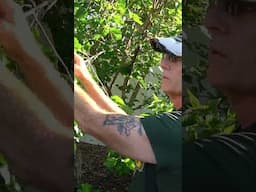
<point>113,81</point>
<point>134,94</point>
<point>127,78</point>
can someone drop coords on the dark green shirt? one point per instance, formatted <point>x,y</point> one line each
<point>221,163</point>
<point>165,134</point>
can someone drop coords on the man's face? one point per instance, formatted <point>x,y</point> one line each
<point>172,75</point>
<point>232,54</point>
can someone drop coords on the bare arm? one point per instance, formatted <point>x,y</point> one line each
<point>93,89</point>
<point>123,133</point>
<point>38,147</point>
<point>40,75</point>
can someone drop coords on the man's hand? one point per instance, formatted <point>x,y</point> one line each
<point>80,69</point>
<point>39,73</point>
<point>39,149</point>
<point>36,128</point>
<point>92,88</point>
<point>15,35</point>
<point>6,10</point>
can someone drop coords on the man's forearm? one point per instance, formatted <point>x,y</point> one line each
<point>123,133</point>
<point>99,96</point>
<point>46,83</point>
<point>38,148</point>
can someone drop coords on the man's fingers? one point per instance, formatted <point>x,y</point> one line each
<point>4,26</point>
<point>6,10</point>
<point>78,72</point>
<point>78,60</point>
<point>6,29</point>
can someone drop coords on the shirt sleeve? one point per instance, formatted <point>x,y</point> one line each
<point>165,135</point>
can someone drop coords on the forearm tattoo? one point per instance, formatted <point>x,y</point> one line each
<point>125,124</point>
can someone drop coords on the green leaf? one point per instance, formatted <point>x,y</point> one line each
<point>2,160</point>
<point>118,100</point>
<point>116,32</point>
<point>193,100</point>
<point>77,45</point>
<point>136,18</point>
<point>229,129</point>
<point>97,36</point>
<point>121,6</point>
<point>86,187</point>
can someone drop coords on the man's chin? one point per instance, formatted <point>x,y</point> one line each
<point>172,93</point>
<point>226,88</point>
<point>165,89</point>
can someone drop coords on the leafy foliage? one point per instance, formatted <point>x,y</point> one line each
<point>203,120</point>
<point>193,11</point>
<point>86,187</point>
<point>121,31</point>
<point>119,165</point>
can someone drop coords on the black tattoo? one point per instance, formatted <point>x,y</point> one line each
<point>125,124</point>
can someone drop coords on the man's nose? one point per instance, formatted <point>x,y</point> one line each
<point>215,21</point>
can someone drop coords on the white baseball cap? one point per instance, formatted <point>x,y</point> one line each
<point>169,45</point>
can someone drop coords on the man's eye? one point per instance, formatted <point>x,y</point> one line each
<point>233,7</point>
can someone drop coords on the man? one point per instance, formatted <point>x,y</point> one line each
<point>171,65</point>
<point>36,127</point>
<point>227,162</point>
<point>219,163</point>
<point>148,140</point>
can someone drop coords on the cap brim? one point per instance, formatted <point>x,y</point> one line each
<point>167,45</point>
